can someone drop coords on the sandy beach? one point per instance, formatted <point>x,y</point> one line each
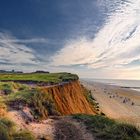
<point>116,102</point>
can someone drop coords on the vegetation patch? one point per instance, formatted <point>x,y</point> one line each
<point>7,131</point>
<point>104,128</point>
<point>90,99</point>
<point>6,88</point>
<point>3,107</point>
<point>24,135</point>
<point>39,77</point>
<point>20,98</point>
<point>43,105</point>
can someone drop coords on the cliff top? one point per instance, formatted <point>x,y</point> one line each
<point>39,77</point>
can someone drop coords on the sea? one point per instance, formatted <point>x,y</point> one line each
<point>132,84</point>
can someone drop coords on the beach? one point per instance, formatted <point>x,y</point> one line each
<point>116,102</point>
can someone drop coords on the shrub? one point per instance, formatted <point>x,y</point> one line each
<point>2,107</point>
<point>6,88</point>
<point>23,96</point>
<point>7,123</point>
<point>4,135</point>
<point>6,129</point>
<point>43,105</point>
<point>25,135</point>
<point>8,133</point>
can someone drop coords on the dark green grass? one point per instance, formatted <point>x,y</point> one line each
<point>104,128</point>
<point>6,88</point>
<point>39,77</point>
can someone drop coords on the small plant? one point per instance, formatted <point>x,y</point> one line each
<point>6,129</point>
<point>6,88</point>
<point>25,135</point>
<point>4,135</point>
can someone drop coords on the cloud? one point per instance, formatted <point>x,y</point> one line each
<point>116,44</point>
<point>14,53</point>
<point>8,38</point>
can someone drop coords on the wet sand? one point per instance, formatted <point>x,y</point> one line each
<point>116,102</point>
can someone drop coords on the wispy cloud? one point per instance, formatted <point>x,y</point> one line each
<point>8,38</point>
<point>116,44</point>
<point>14,53</point>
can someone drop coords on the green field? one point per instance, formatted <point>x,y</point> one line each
<point>39,77</point>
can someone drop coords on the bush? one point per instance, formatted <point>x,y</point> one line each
<point>6,129</point>
<point>24,96</point>
<point>9,124</point>
<point>25,135</point>
<point>43,105</point>
<point>4,135</point>
<point>6,88</point>
<point>8,133</point>
<point>65,77</point>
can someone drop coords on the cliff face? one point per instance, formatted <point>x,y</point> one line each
<point>69,98</point>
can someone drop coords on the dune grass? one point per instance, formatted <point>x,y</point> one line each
<point>91,99</point>
<point>7,131</point>
<point>23,96</point>
<point>24,135</point>
<point>43,105</point>
<point>6,88</point>
<point>104,128</point>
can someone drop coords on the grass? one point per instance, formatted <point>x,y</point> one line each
<point>39,77</point>
<point>3,107</point>
<point>7,131</point>
<point>6,88</point>
<point>104,128</point>
<point>90,99</point>
<point>24,135</point>
<point>43,105</point>
<point>23,96</point>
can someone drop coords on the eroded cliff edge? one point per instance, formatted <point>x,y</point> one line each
<point>69,98</point>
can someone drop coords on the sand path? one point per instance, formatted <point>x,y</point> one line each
<point>38,129</point>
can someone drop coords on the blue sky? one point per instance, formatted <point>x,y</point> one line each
<point>93,38</point>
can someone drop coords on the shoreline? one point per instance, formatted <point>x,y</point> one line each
<point>116,102</point>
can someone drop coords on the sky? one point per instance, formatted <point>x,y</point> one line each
<point>92,38</point>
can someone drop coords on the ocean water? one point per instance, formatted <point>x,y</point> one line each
<point>133,84</point>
